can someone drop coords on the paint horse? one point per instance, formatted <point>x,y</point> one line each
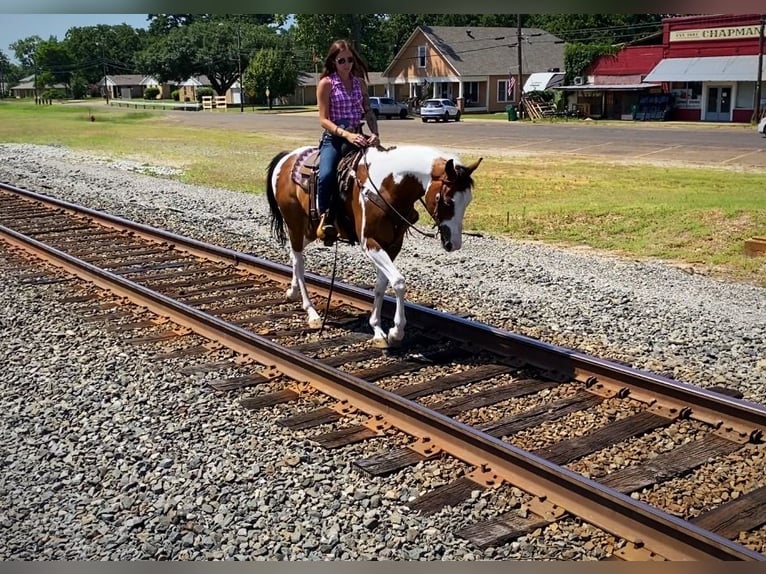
<point>377,207</point>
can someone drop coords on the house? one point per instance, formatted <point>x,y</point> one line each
<point>187,90</point>
<point>26,88</point>
<point>473,66</point>
<point>306,92</point>
<point>613,86</point>
<point>698,68</point>
<point>152,82</point>
<point>130,86</point>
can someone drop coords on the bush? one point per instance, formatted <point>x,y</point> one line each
<point>204,91</point>
<point>54,94</point>
<point>174,95</point>
<point>151,93</point>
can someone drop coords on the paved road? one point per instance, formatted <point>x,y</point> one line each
<point>726,145</point>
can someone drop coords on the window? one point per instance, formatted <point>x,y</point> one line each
<point>470,92</point>
<point>421,56</point>
<point>502,91</point>
<point>688,95</point>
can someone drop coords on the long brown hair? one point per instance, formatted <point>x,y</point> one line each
<point>358,69</point>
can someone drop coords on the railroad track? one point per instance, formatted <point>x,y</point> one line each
<point>524,417</point>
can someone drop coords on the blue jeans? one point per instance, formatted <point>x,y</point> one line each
<point>329,157</point>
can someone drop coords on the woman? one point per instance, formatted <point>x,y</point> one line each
<point>343,103</point>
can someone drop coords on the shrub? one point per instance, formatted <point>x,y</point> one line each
<point>174,95</point>
<point>204,91</point>
<point>151,93</point>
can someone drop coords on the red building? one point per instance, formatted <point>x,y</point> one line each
<point>706,68</point>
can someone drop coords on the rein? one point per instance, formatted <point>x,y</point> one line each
<point>393,209</point>
<point>329,294</point>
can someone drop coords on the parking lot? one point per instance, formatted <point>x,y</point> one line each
<point>734,146</point>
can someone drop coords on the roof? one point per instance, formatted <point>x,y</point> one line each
<point>482,51</point>
<point>28,83</point>
<point>124,79</point>
<point>711,69</point>
<point>197,81</point>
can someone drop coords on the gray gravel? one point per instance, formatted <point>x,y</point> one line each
<point>108,454</point>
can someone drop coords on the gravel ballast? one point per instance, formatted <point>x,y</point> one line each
<point>109,454</point>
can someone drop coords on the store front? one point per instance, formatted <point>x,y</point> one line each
<point>710,65</point>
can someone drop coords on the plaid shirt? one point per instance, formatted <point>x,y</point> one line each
<point>345,109</point>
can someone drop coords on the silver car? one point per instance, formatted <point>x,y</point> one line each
<point>388,107</point>
<point>439,109</point>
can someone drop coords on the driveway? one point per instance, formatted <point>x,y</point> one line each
<point>733,146</point>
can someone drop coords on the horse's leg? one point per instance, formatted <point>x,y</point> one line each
<point>379,337</point>
<point>298,290</point>
<point>387,272</point>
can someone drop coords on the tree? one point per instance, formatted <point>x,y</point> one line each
<point>597,28</point>
<point>25,49</point>
<point>274,69</point>
<point>54,62</point>
<point>94,48</point>
<point>163,23</point>
<point>219,49</point>
<point>315,32</point>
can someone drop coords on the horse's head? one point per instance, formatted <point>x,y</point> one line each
<point>447,198</point>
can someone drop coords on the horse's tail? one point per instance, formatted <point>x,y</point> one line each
<point>277,221</point>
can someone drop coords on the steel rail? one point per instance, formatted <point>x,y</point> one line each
<point>745,418</point>
<point>637,522</point>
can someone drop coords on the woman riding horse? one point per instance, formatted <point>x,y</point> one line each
<point>343,101</point>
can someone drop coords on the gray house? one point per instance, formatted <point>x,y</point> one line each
<point>475,66</point>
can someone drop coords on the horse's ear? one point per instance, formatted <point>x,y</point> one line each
<point>474,165</point>
<point>449,169</point>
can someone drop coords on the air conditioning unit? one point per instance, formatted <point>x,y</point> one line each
<point>579,80</point>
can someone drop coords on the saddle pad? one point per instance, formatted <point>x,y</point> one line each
<point>305,165</point>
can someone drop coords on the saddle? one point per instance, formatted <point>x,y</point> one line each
<point>306,173</point>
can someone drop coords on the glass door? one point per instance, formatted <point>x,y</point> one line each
<point>718,107</point>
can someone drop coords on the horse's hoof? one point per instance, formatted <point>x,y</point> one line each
<point>291,295</point>
<point>315,323</point>
<point>379,342</point>
<point>394,342</point>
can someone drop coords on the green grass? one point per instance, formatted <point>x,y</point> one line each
<point>693,216</point>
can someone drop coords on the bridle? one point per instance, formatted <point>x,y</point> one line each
<point>440,201</point>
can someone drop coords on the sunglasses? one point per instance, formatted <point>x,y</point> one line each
<point>342,61</point>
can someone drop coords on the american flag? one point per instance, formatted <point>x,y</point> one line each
<point>511,84</point>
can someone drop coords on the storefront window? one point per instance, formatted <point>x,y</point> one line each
<point>688,95</point>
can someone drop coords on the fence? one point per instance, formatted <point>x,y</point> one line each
<point>138,104</point>
<point>214,102</point>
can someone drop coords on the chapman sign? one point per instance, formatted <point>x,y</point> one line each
<point>731,32</point>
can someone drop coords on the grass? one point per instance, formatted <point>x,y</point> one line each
<point>697,217</point>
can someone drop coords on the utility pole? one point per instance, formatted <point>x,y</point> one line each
<point>103,62</point>
<point>239,67</point>
<point>518,56</point>
<point>757,106</point>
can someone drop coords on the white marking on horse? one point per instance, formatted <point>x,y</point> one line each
<point>401,161</point>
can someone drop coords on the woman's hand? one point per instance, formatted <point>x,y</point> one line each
<point>373,140</point>
<point>357,139</point>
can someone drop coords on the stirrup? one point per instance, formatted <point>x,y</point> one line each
<point>326,230</point>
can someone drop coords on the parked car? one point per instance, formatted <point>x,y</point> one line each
<point>762,126</point>
<point>439,109</point>
<point>388,107</point>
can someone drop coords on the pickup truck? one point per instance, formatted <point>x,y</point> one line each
<point>388,107</point>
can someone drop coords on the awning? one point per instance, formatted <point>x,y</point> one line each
<point>608,87</point>
<point>540,81</point>
<point>712,69</point>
